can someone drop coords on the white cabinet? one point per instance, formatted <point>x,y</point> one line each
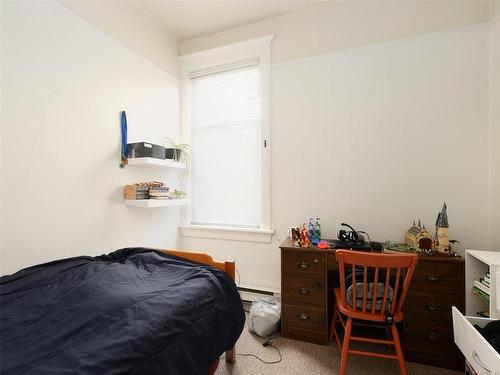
<point>477,263</point>
<point>480,355</point>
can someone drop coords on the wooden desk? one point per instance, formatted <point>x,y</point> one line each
<point>308,276</point>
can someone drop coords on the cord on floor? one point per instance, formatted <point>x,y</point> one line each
<point>265,344</point>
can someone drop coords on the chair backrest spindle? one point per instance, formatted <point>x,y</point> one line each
<point>353,279</point>
<point>375,290</point>
<point>396,288</point>
<point>365,285</point>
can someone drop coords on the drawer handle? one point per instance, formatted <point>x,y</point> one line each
<point>303,316</point>
<point>303,265</point>
<point>432,277</point>
<point>476,358</point>
<point>433,307</point>
<point>432,337</point>
<point>303,290</point>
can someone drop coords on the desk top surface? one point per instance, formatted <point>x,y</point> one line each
<point>289,244</point>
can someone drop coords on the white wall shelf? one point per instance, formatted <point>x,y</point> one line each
<point>477,263</point>
<point>151,203</point>
<point>155,163</point>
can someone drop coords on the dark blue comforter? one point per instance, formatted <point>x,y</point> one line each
<point>133,311</point>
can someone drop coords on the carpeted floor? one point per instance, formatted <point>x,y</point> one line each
<point>300,358</point>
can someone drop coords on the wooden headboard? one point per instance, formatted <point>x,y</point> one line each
<point>227,266</point>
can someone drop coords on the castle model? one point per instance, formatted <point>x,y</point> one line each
<point>442,242</point>
<point>418,237</point>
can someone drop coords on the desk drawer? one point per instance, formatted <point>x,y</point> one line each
<point>424,338</point>
<point>304,262</point>
<point>478,352</point>
<point>430,308</point>
<point>304,316</point>
<point>453,361</point>
<point>438,277</point>
<point>314,336</point>
<point>304,289</point>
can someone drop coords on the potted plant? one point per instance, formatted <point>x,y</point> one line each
<point>180,152</point>
<point>178,194</point>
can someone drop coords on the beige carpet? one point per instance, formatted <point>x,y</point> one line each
<point>300,358</point>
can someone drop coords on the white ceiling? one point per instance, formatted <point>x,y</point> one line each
<point>189,19</point>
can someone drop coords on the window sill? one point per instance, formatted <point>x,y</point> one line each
<point>226,233</point>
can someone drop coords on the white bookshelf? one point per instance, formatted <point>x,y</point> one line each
<point>152,203</point>
<point>155,163</point>
<point>477,263</point>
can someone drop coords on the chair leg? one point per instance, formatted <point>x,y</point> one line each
<point>332,330</point>
<point>345,347</point>
<point>389,336</point>
<point>399,352</point>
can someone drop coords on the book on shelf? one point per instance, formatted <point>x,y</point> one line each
<point>146,190</point>
<point>478,284</point>
<point>136,196</point>
<point>135,192</point>
<point>483,314</point>
<point>484,296</point>
<point>484,282</point>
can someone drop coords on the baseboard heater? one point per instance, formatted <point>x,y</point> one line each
<point>250,295</point>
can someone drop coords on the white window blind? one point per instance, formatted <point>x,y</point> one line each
<point>225,128</point>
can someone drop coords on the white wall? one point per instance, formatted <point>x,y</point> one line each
<point>495,127</point>
<point>377,137</point>
<point>64,83</point>
<point>129,24</point>
<point>343,25</point>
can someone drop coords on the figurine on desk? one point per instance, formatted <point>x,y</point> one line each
<point>304,240</point>
<point>310,236</point>
<point>307,235</point>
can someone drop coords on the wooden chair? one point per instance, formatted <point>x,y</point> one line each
<point>372,308</point>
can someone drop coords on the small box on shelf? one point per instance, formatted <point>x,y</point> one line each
<point>145,149</point>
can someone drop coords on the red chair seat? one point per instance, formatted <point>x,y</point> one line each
<point>398,317</point>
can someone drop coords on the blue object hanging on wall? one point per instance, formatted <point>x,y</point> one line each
<point>124,135</point>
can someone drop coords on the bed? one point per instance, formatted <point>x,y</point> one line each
<point>133,311</point>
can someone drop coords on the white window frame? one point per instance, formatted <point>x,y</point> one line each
<point>214,59</point>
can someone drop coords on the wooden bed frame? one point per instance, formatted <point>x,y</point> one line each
<point>228,267</point>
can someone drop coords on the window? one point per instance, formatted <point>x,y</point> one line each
<point>225,119</point>
<point>225,124</point>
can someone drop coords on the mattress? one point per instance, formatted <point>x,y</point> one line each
<point>133,311</point>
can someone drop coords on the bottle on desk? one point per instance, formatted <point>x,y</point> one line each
<point>310,228</point>
<point>316,232</point>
